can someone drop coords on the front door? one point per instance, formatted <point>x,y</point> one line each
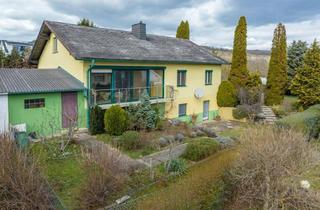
<point>205,110</point>
<point>69,109</point>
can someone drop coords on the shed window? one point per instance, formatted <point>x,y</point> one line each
<point>34,103</point>
<point>182,110</point>
<point>55,45</point>
<point>208,77</point>
<point>181,78</point>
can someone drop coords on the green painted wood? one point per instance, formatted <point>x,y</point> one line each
<point>46,120</point>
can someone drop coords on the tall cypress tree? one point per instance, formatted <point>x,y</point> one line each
<point>239,73</point>
<point>183,31</point>
<point>187,30</point>
<point>306,82</point>
<point>179,30</point>
<point>277,73</point>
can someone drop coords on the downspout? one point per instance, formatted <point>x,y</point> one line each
<point>93,61</point>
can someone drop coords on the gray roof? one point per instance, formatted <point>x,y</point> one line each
<point>117,45</point>
<point>14,81</point>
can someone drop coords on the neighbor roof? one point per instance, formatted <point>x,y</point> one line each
<point>108,44</point>
<point>13,81</point>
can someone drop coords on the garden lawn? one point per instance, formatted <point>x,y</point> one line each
<point>298,120</point>
<point>196,190</point>
<point>64,175</point>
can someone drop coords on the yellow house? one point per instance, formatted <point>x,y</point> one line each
<point>117,67</point>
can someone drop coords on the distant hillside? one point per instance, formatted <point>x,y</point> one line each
<point>258,60</point>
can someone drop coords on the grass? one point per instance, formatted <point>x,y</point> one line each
<point>286,107</point>
<point>192,190</point>
<point>64,175</point>
<point>298,120</point>
<point>234,132</point>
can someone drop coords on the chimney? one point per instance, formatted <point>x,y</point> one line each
<point>139,30</point>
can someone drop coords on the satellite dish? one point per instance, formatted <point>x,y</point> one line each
<point>198,93</point>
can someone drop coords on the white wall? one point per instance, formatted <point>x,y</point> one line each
<point>4,113</point>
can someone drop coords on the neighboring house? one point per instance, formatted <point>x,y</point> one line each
<point>46,100</point>
<point>118,66</point>
<point>7,46</point>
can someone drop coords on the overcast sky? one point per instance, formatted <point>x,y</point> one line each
<point>212,22</point>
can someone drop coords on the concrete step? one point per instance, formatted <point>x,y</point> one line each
<point>269,116</point>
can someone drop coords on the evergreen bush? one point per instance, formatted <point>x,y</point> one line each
<point>143,116</point>
<point>306,82</point>
<point>116,120</point>
<point>227,95</point>
<point>96,120</point>
<point>240,112</point>
<point>177,166</point>
<point>129,140</point>
<point>200,149</point>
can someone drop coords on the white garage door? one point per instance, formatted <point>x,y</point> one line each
<point>4,116</point>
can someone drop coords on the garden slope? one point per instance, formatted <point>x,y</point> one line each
<point>192,190</point>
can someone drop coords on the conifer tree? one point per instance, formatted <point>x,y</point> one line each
<point>2,58</point>
<point>183,31</point>
<point>306,82</point>
<point>296,52</point>
<point>239,72</point>
<point>179,30</point>
<point>187,30</point>
<point>14,60</point>
<point>277,73</point>
<point>85,22</point>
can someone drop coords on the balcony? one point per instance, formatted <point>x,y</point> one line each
<point>126,96</point>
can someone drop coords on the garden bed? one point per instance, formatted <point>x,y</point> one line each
<point>147,142</point>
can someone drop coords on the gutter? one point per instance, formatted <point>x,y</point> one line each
<point>93,61</point>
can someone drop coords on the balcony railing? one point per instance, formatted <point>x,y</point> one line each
<point>126,95</point>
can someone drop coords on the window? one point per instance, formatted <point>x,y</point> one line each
<point>156,83</point>
<point>101,84</point>
<point>181,78</point>
<point>55,45</point>
<point>208,77</point>
<point>34,103</point>
<point>182,110</point>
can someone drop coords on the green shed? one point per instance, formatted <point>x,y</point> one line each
<point>46,101</point>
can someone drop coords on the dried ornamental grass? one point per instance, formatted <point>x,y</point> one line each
<point>269,169</point>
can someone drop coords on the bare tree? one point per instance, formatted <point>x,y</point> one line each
<point>250,101</point>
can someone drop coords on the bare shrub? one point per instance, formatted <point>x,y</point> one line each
<point>268,171</point>
<point>105,177</point>
<point>21,185</point>
<point>250,100</point>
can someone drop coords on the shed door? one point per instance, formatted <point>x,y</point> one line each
<point>69,109</point>
<point>4,116</point>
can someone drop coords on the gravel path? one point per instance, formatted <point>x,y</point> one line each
<point>163,156</point>
<point>91,143</point>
